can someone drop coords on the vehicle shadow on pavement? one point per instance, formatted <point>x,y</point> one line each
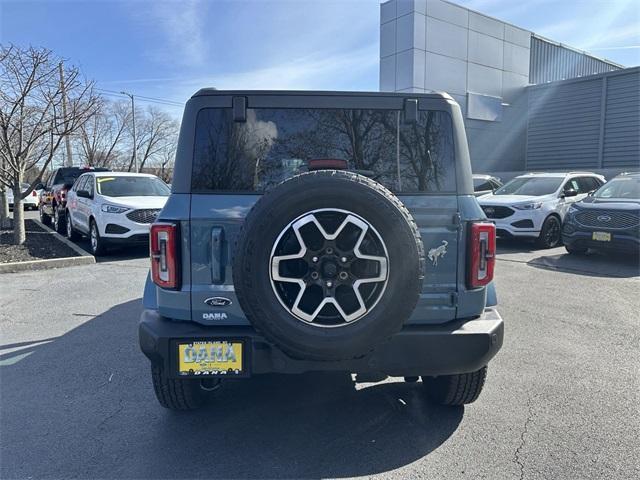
<point>516,245</point>
<point>117,253</point>
<point>82,405</point>
<point>592,264</point>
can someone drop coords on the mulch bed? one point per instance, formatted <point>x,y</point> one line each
<point>40,245</point>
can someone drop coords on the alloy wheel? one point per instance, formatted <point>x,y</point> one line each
<point>329,267</point>
<point>69,227</point>
<point>94,237</point>
<point>552,235</point>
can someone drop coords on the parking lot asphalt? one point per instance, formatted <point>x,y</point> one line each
<point>561,400</point>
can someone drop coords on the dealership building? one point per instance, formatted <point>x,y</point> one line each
<point>529,103</point>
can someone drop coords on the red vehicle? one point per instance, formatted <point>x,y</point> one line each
<point>53,198</point>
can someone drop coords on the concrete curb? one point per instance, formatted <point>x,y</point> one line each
<point>84,257</point>
<point>45,264</point>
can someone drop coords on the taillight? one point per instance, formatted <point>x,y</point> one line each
<point>163,246</point>
<point>482,254</point>
<point>33,193</point>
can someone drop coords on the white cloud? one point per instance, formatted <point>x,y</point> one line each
<point>182,25</point>
<point>313,72</point>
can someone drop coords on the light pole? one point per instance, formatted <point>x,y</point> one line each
<point>133,117</point>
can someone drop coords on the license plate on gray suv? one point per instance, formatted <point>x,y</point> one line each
<point>210,357</point>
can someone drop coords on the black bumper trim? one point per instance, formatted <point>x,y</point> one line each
<point>461,346</point>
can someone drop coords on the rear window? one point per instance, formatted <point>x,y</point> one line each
<point>275,144</point>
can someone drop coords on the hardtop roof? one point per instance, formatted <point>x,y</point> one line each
<point>213,91</point>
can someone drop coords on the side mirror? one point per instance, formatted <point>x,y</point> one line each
<point>83,194</point>
<point>569,193</point>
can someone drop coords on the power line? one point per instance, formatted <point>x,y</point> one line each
<point>160,101</point>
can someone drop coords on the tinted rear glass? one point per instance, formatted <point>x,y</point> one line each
<point>275,144</point>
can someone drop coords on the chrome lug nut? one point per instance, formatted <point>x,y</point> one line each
<point>343,259</point>
<point>329,284</point>
<point>314,259</point>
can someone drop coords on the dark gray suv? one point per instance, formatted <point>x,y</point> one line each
<point>320,231</point>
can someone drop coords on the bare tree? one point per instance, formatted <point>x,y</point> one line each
<point>32,122</point>
<point>153,131</point>
<point>101,136</point>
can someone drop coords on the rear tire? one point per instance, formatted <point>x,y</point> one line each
<point>572,249</point>
<point>457,389</point>
<point>44,218</point>
<point>59,224</point>
<point>550,236</point>
<point>177,393</point>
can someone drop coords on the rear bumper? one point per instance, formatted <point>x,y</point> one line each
<point>460,346</point>
<point>622,242</point>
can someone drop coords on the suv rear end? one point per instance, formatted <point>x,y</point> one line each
<point>313,231</point>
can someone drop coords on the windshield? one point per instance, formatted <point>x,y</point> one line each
<point>534,186</point>
<point>132,187</point>
<point>623,187</point>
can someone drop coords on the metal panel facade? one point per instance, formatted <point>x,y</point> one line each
<point>552,61</point>
<point>621,145</point>
<point>587,123</point>
<point>564,125</point>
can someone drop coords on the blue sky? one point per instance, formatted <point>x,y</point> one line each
<point>169,49</point>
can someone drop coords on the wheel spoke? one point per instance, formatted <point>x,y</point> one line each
<point>328,281</point>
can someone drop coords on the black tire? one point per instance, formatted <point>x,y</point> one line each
<point>321,190</point>
<point>575,250</point>
<point>59,221</point>
<point>72,234</point>
<point>459,389</point>
<point>178,393</point>
<point>550,235</point>
<point>96,243</point>
<point>44,218</point>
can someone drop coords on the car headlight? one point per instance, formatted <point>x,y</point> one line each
<point>528,206</point>
<point>113,208</point>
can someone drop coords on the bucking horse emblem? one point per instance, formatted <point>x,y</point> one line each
<point>438,252</point>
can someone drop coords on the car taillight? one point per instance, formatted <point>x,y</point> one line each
<point>163,246</point>
<point>482,254</point>
<point>33,193</point>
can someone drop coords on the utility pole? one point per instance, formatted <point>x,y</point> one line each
<point>133,118</point>
<point>67,140</point>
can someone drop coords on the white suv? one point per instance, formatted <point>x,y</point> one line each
<point>534,205</point>
<point>114,207</point>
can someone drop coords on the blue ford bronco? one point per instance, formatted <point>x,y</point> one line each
<point>320,231</point>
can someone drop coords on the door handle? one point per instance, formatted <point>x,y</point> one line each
<point>217,251</point>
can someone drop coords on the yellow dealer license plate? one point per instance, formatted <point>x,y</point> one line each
<point>219,357</point>
<point>601,236</point>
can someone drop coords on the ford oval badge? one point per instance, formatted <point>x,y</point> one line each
<point>218,302</point>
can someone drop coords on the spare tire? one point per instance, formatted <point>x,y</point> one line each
<point>328,265</point>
